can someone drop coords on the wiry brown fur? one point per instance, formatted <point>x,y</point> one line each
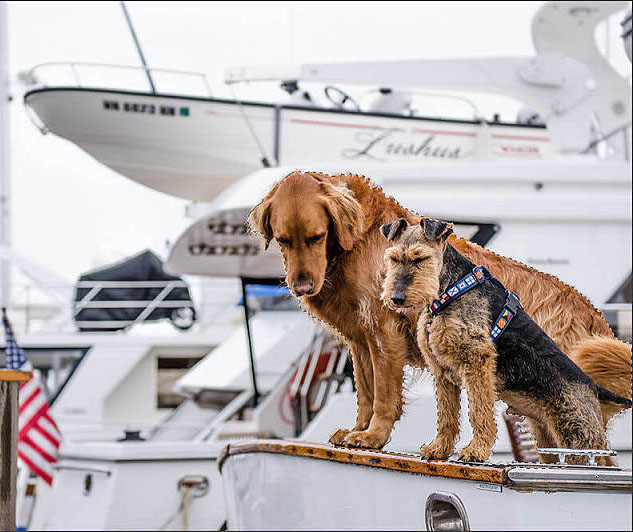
<point>381,340</point>
<point>458,351</point>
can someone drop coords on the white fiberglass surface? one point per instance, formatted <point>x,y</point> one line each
<point>318,494</point>
<point>279,337</point>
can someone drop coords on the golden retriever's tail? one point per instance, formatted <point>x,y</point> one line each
<point>608,362</point>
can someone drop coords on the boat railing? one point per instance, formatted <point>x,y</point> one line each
<point>53,308</point>
<point>91,300</point>
<point>78,78</point>
<point>619,316</point>
<point>591,454</point>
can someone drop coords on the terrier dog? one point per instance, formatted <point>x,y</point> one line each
<point>474,333</point>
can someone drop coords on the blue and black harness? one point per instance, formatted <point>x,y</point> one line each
<point>478,276</point>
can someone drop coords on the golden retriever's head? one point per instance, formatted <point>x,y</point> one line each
<point>414,262</point>
<point>313,217</point>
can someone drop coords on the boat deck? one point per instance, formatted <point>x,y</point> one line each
<point>512,475</point>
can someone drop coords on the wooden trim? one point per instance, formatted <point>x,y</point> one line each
<point>363,457</point>
<point>10,375</point>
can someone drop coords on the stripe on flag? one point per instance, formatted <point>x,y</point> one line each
<point>31,410</point>
<point>39,441</point>
<point>36,462</point>
<point>38,436</point>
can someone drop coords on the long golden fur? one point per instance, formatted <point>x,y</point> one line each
<point>332,250</point>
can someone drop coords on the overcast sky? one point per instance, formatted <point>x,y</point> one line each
<point>70,213</point>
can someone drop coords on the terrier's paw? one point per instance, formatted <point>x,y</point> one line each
<point>472,453</point>
<point>434,451</point>
<point>338,436</point>
<point>365,439</point>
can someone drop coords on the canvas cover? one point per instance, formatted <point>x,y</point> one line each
<point>145,266</point>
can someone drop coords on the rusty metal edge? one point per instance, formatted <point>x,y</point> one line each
<point>368,458</point>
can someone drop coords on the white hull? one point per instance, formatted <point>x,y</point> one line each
<point>110,486</point>
<point>322,495</point>
<point>195,147</point>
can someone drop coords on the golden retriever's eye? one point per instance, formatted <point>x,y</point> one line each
<point>394,259</point>
<point>314,239</point>
<point>285,242</point>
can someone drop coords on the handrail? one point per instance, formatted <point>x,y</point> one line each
<point>148,306</point>
<point>33,79</point>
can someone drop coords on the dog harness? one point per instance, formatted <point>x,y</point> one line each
<point>478,276</point>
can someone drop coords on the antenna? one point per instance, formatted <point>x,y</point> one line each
<point>138,46</point>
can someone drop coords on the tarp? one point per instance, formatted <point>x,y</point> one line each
<point>144,267</point>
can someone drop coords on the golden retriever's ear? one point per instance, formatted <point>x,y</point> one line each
<point>345,212</point>
<point>392,230</point>
<point>259,219</point>
<point>436,229</point>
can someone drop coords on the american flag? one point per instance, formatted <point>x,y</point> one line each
<point>38,436</point>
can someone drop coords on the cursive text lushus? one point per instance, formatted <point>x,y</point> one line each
<point>383,143</point>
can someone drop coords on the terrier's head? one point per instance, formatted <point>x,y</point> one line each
<point>414,262</point>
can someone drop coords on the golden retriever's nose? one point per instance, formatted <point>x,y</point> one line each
<point>398,299</point>
<point>303,287</point>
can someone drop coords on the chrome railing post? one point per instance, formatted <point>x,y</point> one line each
<point>73,67</point>
<point>155,302</point>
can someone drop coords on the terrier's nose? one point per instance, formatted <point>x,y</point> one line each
<point>303,287</point>
<point>398,299</point>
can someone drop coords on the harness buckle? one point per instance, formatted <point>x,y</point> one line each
<point>481,274</point>
<point>512,301</point>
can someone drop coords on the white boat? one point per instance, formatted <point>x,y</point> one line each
<point>320,487</point>
<point>199,146</point>
<point>194,145</point>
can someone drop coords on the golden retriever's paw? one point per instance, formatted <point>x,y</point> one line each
<point>434,451</point>
<point>472,453</point>
<point>365,439</point>
<point>338,436</point>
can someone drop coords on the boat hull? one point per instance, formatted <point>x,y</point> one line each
<point>195,147</point>
<point>300,489</point>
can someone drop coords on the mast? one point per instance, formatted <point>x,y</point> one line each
<point>5,184</point>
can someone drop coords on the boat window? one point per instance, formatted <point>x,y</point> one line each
<point>215,399</point>
<point>169,370</point>
<point>624,292</point>
<point>54,366</point>
<point>266,297</point>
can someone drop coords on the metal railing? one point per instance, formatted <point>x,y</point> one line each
<point>33,76</point>
<point>51,308</point>
<point>95,288</point>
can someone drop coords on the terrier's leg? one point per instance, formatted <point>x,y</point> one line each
<point>479,382</point>
<point>363,377</point>
<point>577,422</point>
<point>448,407</point>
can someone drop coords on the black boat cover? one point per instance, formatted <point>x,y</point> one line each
<point>143,267</point>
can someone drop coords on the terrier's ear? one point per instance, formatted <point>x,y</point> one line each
<point>392,230</point>
<point>436,229</point>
